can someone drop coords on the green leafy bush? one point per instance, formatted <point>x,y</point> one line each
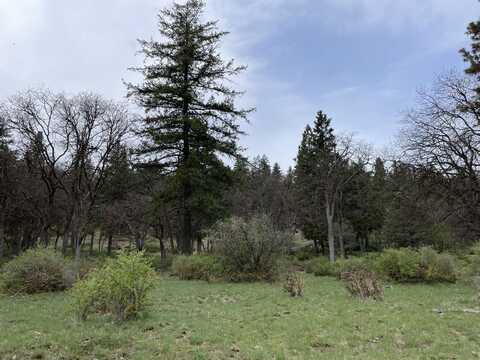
<point>475,265</point>
<point>295,284</point>
<point>406,265</point>
<point>348,265</point>
<point>305,254</point>
<point>475,249</point>
<point>428,257</point>
<point>319,266</point>
<point>445,270</point>
<point>34,271</point>
<point>162,264</point>
<point>437,267</point>
<point>119,288</point>
<point>197,267</point>
<point>363,284</point>
<point>249,249</point>
<point>403,265</point>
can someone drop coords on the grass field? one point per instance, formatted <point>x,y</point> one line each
<point>197,320</point>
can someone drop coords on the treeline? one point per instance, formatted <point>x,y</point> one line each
<point>81,170</point>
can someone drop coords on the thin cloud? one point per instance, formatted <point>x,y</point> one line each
<point>88,45</point>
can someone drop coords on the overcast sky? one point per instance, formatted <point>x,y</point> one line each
<point>360,61</point>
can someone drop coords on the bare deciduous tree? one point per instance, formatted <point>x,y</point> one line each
<point>443,133</point>
<point>73,138</point>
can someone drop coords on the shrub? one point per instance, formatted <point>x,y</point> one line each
<point>295,284</point>
<point>162,264</point>
<point>437,267</point>
<point>34,271</point>
<point>119,288</point>
<point>249,249</point>
<point>197,267</point>
<point>475,265</point>
<point>445,269</point>
<point>348,265</point>
<point>320,266</point>
<point>428,257</point>
<point>401,265</point>
<point>305,254</point>
<point>475,250</point>
<point>405,265</point>
<point>363,284</point>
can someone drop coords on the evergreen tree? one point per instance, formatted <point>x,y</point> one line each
<point>191,117</point>
<point>472,56</point>
<point>314,155</point>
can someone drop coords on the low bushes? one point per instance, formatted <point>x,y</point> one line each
<point>363,284</point>
<point>445,269</point>
<point>475,265</point>
<point>319,266</point>
<point>295,284</point>
<point>249,249</point>
<point>406,265</point>
<point>437,267</point>
<point>352,264</point>
<point>305,254</point>
<point>401,265</point>
<point>34,271</point>
<point>197,267</point>
<point>162,264</point>
<point>119,288</point>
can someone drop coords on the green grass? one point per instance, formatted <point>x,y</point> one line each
<point>196,320</point>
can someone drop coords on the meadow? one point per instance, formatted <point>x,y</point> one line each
<point>200,320</point>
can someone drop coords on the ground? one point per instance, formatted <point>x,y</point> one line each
<point>197,320</point>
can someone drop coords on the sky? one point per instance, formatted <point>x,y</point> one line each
<point>359,61</point>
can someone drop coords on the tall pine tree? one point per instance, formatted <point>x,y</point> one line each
<point>472,55</point>
<point>316,148</point>
<point>191,116</point>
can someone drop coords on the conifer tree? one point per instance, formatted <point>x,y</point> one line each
<point>316,148</point>
<point>321,174</point>
<point>191,117</point>
<point>472,56</point>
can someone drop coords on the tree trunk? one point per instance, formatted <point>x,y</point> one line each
<point>2,240</point>
<point>92,238</point>
<point>187,233</point>
<point>65,243</point>
<point>2,237</point>
<point>109,244</point>
<point>361,242</point>
<point>18,241</point>
<point>316,247</point>
<point>57,236</point>
<point>78,255</point>
<point>100,242</point>
<point>199,244</point>
<point>76,240</point>
<point>161,236</point>
<point>330,212</point>
<point>186,243</point>
<point>139,241</point>
<point>45,236</point>
<point>341,242</point>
